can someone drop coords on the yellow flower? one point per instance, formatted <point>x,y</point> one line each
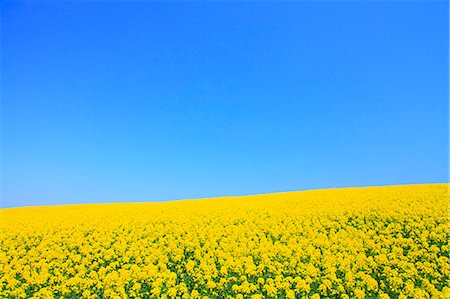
<point>295,243</point>
<point>360,293</point>
<point>290,294</point>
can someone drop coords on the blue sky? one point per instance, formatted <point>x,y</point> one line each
<point>151,101</point>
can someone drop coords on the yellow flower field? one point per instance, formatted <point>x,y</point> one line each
<point>374,242</point>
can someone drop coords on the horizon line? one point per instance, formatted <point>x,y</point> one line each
<point>218,196</point>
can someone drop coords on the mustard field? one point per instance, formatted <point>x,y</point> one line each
<point>374,242</point>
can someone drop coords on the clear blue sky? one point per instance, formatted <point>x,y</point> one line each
<point>149,101</point>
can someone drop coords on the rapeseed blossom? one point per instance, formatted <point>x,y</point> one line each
<point>374,242</point>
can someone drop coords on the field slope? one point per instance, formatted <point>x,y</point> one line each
<point>374,242</point>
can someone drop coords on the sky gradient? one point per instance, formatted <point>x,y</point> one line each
<point>151,101</point>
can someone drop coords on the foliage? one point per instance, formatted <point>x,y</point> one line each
<point>375,242</point>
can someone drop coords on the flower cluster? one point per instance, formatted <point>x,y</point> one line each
<point>375,242</point>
